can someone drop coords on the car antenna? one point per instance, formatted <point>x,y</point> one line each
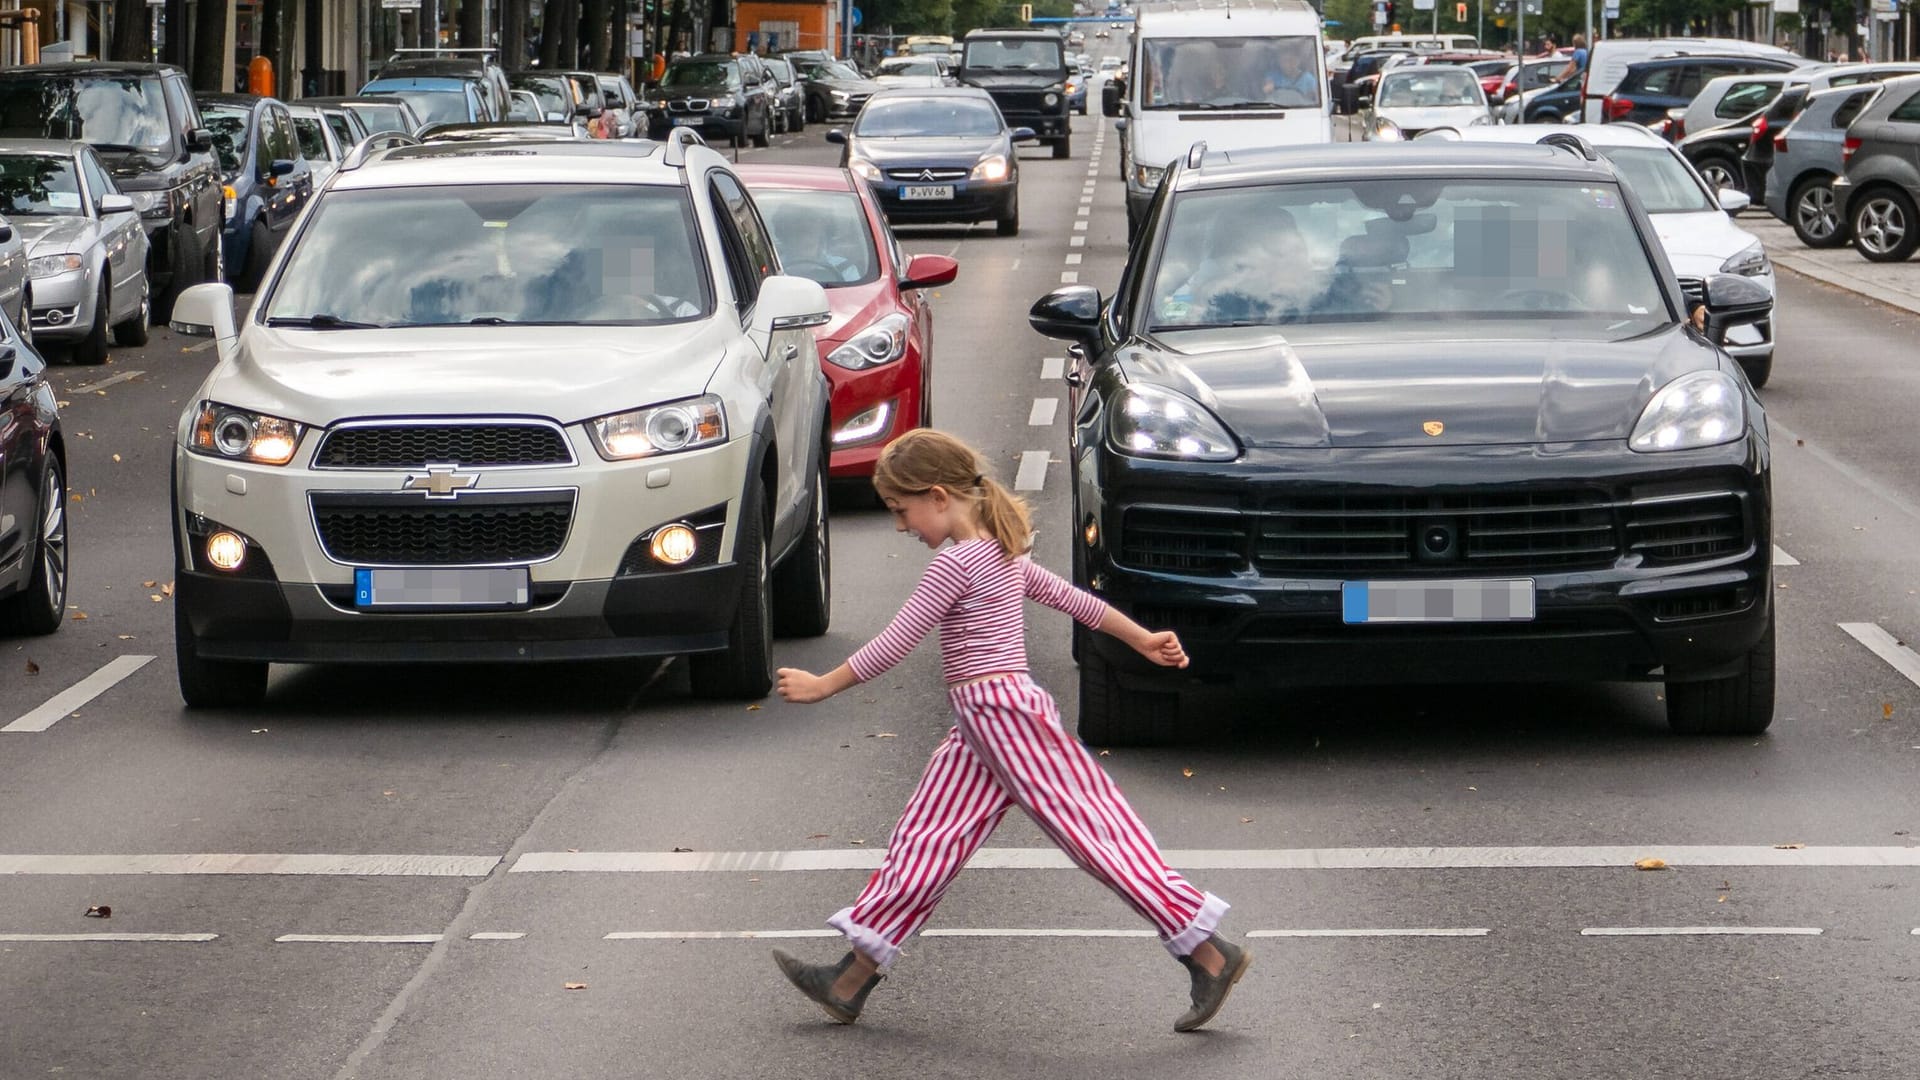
<point>1567,140</point>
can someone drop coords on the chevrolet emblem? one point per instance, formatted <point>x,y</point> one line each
<point>1433,428</point>
<point>441,481</point>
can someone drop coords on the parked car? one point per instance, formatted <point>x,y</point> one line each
<point>1025,72</point>
<point>1559,103</point>
<point>394,514</point>
<point>1609,59</point>
<point>1758,160</point>
<point>268,181</point>
<point>617,95</point>
<point>1363,71</point>
<point>85,251</point>
<point>563,97</point>
<point>33,492</point>
<point>937,155</point>
<point>479,67</point>
<point>1539,75</point>
<point>142,121</point>
<point>376,114</point>
<point>1717,152</point>
<point>322,149</point>
<point>1728,99</point>
<point>835,91</point>
<point>878,350</point>
<point>1574,482</point>
<point>1807,154</point>
<point>1877,192</point>
<point>505,131</point>
<point>347,126</point>
<point>1412,99</point>
<point>1651,87</point>
<point>790,99</point>
<point>909,71</point>
<point>435,99</point>
<point>710,93</point>
<point>16,285</point>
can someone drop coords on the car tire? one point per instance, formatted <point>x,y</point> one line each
<point>255,270</point>
<point>803,585</point>
<point>1009,225</point>
<point>745,669</point>
<point>1112,715</point>
<point>816,111</point>
<point>1721,171</point>
<point>213,684</point>
<point>134,331</point>
<point>24,324</point>
<point>1815,213</point>
<point>1883,224</point>
<point>1063,149</point>
<point>761,140</point>
<point>798,121</point>
<point>41,606</point>
<point>1740,704</point>
<point>92,349</point>
<point>1758,369</point>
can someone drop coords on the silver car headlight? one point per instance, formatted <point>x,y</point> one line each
<point>151,204</point>
<point>42,266</point>
<point>1700,408</point>
<point>1154,422</point>
<point>1385,130</point>
<point>1750,262</point>
<point>660,429</point>
<point>238,434</point>
<point>864,169</point>
<point>1148,176</point>
<point>882,343</point>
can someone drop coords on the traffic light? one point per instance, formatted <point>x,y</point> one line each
<point>1391,13</point>
<point>1460,13</point>
<point>1026,13</point>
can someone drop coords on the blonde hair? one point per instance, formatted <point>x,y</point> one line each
<point>924,459</point>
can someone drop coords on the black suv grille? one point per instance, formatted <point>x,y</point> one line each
<point>1687,528</point>
<point>415,446</point>
<point>405,529</point>
<point>1185,541</point>
<point>1509,530</point>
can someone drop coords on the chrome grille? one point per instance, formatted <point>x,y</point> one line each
<point>689,105</point>
<point>404,529</point>
<point>492,444</point>
<point>926,176</point>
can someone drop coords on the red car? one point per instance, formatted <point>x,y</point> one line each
<point>877,351</point>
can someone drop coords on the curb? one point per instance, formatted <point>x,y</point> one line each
<point>1850,282</point>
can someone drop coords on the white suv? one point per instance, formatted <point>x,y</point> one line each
<point>507,402</point>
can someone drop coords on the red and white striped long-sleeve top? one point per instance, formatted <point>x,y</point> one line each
<point>974,593</point>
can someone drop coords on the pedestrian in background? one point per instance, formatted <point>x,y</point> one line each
<point>1006,748</point>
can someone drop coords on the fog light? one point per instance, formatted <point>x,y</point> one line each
<point>226,550</point>
<point>675,544</point>
<point>869,424</point>
<point>1091,533</point>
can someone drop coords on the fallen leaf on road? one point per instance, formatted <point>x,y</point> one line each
<point>883,735</point>
<point>116,457</point>
<point>167,589</point>
<point>1470,787</point>
<point>124,637</point>
<point>753,708</point>
<point>817,836</point>
<point>259,731</point>
<point>1187,773</point>
<point>1788,847</point>
<point>1106,753</point>
<point>856,841</point>
<point>148,584</point>
<point>386,793</point>
<point>1886,710</point>
<point>100,911</point>
<point>1650,864</point>
<point>33,668</point>
<point>1799,442</point>
<point>573,986</point>
<point>79,616</point>
<point>155,597</point>
<point>682,850</point>
<point>1246,821</point>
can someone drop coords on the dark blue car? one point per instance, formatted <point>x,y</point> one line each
<point>267,181</point>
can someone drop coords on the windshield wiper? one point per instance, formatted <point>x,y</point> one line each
<point>322,321</point>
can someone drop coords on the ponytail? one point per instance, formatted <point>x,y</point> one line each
<point>1005,517</point>
<point>923,459</point>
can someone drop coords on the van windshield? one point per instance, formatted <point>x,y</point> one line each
<point>1225,73</point>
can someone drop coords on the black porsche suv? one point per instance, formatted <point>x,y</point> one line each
<point>1026,73</point>
<point>1357,415</point>
<point>142,120</point>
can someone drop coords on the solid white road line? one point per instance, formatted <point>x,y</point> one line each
<point>70,699</point>
<point>358,939</point>
<point>1435,931</point>
<point>1068,933</point>
<point>495,935</point>
<point>1781,558</point>
<point>1701,931</point>
<point>104,383</point>
<point>1069,277</point>
<point>1032,476</point>
<point>1411,858</point>
<point>1886,647</point>
<point>108,937</point>
<point>714,935</point>
<point>338,865</point>
<point>1042,413</point>
<point>1053,367</point>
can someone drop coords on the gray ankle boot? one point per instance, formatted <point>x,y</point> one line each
<point>1210,991</point>
<point>816,981</point>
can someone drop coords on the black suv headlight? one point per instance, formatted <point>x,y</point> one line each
<point>1154,422</point>
<point>153,205</point>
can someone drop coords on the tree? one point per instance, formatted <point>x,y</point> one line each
<point>472,13</point>
<point>210,68</point>
<point>597,41</point>
<point>132,37</point>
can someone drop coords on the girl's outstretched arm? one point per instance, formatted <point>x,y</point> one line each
<point>805,688</point>
<point>1160,646</point>
<point>943,582</point>
<point>1043,585</point>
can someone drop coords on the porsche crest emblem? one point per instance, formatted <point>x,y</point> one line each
<point>1433,428</point>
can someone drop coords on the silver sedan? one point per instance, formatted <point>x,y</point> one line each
<point>86,253</point>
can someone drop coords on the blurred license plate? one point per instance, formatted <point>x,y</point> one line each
<point>687,121</point>
<point>424,586</point>
<point>1437,601</point>
<point>934,191</point>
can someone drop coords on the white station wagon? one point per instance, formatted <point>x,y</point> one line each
<point>507,402</point>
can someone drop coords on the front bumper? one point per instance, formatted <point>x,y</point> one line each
<point>973,200</point>
<point>63,305</point>
<point>708,124</point>
<point>1627,617</point>
<point>896,387</point>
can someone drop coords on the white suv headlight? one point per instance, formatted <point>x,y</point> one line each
<point>1750,262</point>
<point>660,429</point>
<point>1700,408</point>
<point>882,343</point>
<point>1385,130</point>
<point>1152,421</point>
<point>226,432</point>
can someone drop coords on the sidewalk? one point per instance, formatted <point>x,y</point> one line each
<point>1895,284</point>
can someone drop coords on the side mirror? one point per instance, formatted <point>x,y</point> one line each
<point>1024,134</point>
<point>1733,201</point>
<point>115,203</point>
<point>1733,300</point>
<point>199,140</point>
<point>787,302</point>
<point>6,233</point>
<point>1120,126</point>
<point>837,137</point>
<point>1110,98</point>
<point>205,310</point>
<point>280,167</point>
<point>925,271</point>
<point>1071,313</point>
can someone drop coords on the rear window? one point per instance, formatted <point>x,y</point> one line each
<point>1851,108</point>
<point>1745,99</point>
<point>1660,79</point>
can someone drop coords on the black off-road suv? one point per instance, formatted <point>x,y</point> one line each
<point>142,120</point>
<point>1026,72</point>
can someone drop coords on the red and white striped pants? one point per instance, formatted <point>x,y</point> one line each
<point>1008,748</point>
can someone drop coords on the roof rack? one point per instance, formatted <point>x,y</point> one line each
<point>676,142</point>
<point>372,144</point>
<point>1195,153</point>
<point>442,51</point>
<point>1567,140</point>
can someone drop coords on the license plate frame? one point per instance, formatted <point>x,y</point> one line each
<point>926,192</point>
<point>689,121</point>
<point>1468,600</point>
<point>400,588</point>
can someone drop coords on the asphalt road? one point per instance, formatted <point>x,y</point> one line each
<point>529,813</point>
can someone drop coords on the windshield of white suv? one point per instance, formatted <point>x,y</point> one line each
<point>1406,250</point>
<point>820,235</point>
<point>928,117</point>
<point>907,65</point>
<point>1192,73</point>
<point>126,113</point>
<point>556,254</point>
<point>1658,178</point>
<point>38,185</point>
<point>1429,88</point>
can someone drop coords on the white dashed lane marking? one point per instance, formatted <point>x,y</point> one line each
<point>495,935</point>
<point>1073,258</point>
<point>1080,226</point>
<point>1434,931</point>
<point>1781,558</point>
<point>268,864</point>
<point>73,697</point>
<point>358,939</point>
<point>1886,647</point>
<point>1032,476</point>
<point>715,935</point>
<point>1042,414</point>
<point>1701,931</point>
<point>1076,241</point>
<point>1069,277</point>
<point>1053,367</point>
<point>108,937</point>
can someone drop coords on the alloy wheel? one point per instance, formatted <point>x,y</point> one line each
<point>1882,225</point>
<point>1817,212</point>
<point>1718,176</point>
<point>53,541</point>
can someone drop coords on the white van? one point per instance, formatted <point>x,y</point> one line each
<point>1420,43</point>
<point>1234,78</point>
<point>1607,61</point>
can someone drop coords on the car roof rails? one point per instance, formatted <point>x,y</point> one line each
<point>677,141</point>
<point>443,51</point>
<point>365,148</point>
<point>1567,140</point>
<point>1195,153</point>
